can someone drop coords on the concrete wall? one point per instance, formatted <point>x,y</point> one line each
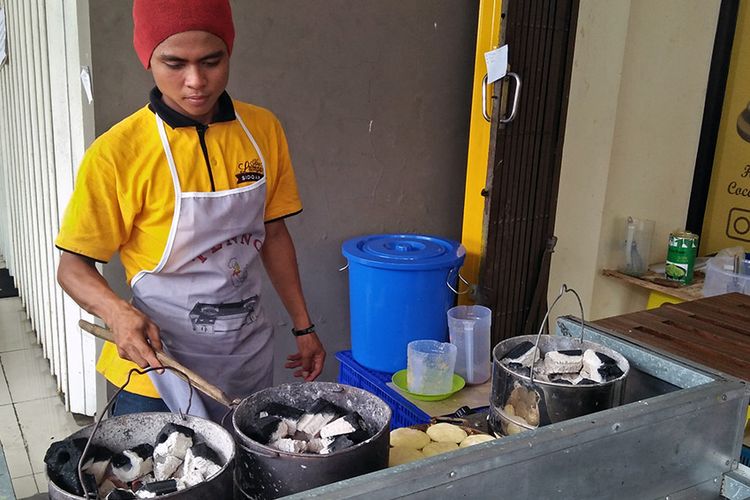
<point>375,99</point>
<point>638,87</point>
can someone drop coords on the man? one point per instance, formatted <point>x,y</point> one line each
<point>192,190</point>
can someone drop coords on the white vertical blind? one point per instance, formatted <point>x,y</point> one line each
<point>45,124</point>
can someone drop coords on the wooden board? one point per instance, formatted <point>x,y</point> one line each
<point>714,331</point>
<point>657,283</point>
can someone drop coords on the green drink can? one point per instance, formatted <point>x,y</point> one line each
<point>681,253</point>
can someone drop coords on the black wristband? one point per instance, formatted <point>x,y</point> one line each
<point>308,330</point>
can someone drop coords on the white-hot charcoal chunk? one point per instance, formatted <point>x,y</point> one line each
<point>591,364</point>
<point>568,361</point>
<point>446,433</point>
<point>120,494</point>
<point>132,464</point>
<point>409,438</point>
<point>351,425</point>
<point>438,447</point>
<point>475,439</point>
<point>320,413</point>
<point>289,445</point>
<point>172,444</point>
<point>201,463</point>
<point>523,355</point>
<point>157,488</point>
<point>402,455</point>
<point>316,445</point>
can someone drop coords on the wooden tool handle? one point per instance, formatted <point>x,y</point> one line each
<point>186,373</point>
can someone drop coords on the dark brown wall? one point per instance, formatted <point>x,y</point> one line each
<point>374,96</point>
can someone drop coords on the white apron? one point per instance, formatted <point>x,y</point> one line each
<point>204,293</point>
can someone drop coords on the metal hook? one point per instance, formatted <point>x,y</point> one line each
<point>448,282</point>
<point>563,290</point>
<point>345,267</point>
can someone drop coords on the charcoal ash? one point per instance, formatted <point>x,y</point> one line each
<point>201,463</point>
<point>317,415</point>
<point>172,444</point>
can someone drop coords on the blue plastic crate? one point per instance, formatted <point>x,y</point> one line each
<point>745,456</point>
<point>352,373</point>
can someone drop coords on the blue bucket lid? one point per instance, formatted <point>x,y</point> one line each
<point>404,251</point>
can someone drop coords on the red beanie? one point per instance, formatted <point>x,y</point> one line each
<point>157,20</point>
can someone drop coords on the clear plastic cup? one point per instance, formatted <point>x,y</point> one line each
<point>469,329</point>
<point>430,365</point>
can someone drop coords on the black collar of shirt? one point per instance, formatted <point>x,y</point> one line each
<point>224,113</point>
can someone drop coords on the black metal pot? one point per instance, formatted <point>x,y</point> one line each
<point>264,472</point>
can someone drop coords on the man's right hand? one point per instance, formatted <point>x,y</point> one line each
<point>136,336</point>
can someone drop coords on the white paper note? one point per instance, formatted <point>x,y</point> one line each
<point>3,31</point>
<point>86,82</point>
<point>497,63</point>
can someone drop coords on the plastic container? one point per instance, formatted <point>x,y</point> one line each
<point>636,246</point>
<point>400,288</point>
<point>405,413</point>
<point>430,366</point>
<point>469,331</point>
<point>721,278</point>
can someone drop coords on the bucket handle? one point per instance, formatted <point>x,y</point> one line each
<point>91,495</point>
<point>461,278</point>
<point>563,290</point>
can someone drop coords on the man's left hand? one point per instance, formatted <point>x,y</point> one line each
<point>309,359</point>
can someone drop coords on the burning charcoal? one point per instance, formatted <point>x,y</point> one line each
<point>317,445</point>
<point>599,367</point>
<point>317,416</point>
<point>288,414</point>
<point>201,463</point>
<point>268,429</point>
<point>120,494</point>
<point>338,444</point>
<point>97,461</point>
<point>560,380</point>
<point>523,354</point>
<point>62,459</point>
<point>348,424</point>
<point>289,445</point>
<point>172,443</point>
<point>283,411</point>
<point>132,464</point>
<point>157,488</point>
<point>560,362</point>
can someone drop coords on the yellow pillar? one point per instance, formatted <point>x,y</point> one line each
<point>472,236</point>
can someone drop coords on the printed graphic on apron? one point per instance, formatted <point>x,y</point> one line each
<point>218,319</point>
<point>239,273</point>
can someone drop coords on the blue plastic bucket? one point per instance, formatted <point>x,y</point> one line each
<point>400,289</point>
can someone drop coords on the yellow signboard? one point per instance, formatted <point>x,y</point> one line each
<point>727,218</point>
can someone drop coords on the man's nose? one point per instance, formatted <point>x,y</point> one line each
<point>194,77</point>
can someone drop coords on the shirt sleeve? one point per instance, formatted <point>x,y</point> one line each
<point>282,196</point>
<point>93,224</point>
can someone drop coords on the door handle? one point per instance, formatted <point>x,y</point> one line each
<point>516,96</point>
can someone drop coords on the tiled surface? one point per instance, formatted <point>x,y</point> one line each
<point>32,414</point>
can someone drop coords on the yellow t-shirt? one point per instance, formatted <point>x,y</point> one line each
<point>124,194</point>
